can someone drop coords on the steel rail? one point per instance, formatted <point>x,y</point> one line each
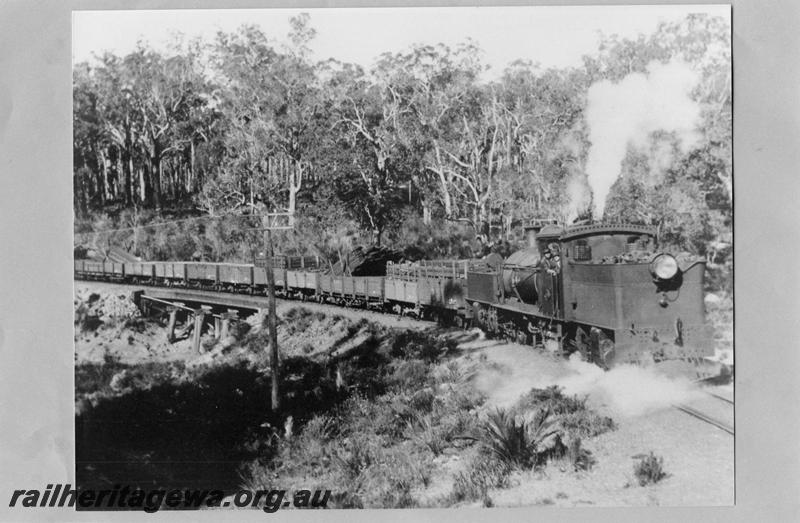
<point>703,417</point>
<point>723,398</point>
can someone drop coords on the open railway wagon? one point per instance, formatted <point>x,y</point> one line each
<point>429,288</point>
<point>614,298</point>
<point>351,291</point>
<point>252,278</point>
<point>288,271</point>
<point>88,269</point>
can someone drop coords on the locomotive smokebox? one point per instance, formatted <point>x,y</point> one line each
<point>519,274</point>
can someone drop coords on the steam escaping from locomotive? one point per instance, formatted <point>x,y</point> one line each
<point>579,198</point>
<point>626,114</point>
<point>626,391</point>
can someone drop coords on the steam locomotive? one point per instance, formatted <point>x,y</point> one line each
<point>613,297</point>
<point>608,294</point>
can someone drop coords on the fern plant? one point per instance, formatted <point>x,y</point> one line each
<point>516,441</point>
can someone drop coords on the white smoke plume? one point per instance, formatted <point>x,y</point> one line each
<point>624,391</point>
<point>624,114</point>
<point>579,198</point>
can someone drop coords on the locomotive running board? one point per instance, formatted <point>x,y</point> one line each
<point>521,308</point>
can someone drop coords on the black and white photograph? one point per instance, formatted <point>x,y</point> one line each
<point>401,258</point>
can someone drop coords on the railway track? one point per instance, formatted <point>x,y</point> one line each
<point>722,398</point>
<point>390,319</point>
<point>706,417</point>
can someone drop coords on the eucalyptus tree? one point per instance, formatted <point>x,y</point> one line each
<point>137,120</point>
<point>272,106</point>
<point>87,133</point>
<point>166,92</point>
<point>120,122</point>
<point>105,131</point>
<point>431,86</point>
<point>372,165</point>
<point>544,141</point>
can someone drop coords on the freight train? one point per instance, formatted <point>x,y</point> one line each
<point>602,290</point>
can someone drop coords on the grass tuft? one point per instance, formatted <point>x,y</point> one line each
<point>649,469</point>
<point>484,473</point>
<point>580,458</point>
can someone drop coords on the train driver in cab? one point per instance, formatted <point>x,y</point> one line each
<point>553,255</point>
<point>546,261</point>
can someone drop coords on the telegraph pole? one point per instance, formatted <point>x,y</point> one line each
<point>272,320</point>
<point>270,222</point>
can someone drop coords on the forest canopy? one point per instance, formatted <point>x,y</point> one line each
<point>417,150</point>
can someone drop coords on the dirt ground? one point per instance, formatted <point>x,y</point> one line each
<point>119,334</point>
<point>698,457</point>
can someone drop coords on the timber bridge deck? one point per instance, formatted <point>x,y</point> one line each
<point>200,307</point>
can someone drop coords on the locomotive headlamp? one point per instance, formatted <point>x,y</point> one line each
<point>664,267</point>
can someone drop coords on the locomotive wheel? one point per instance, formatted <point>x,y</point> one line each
<point>582,343</point>
<point>604,350</point>
<point>479,316</point>
<point>492,321</point>
<point>598,347</point>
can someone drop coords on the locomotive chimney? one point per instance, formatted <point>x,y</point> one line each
<point>530,234</point>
